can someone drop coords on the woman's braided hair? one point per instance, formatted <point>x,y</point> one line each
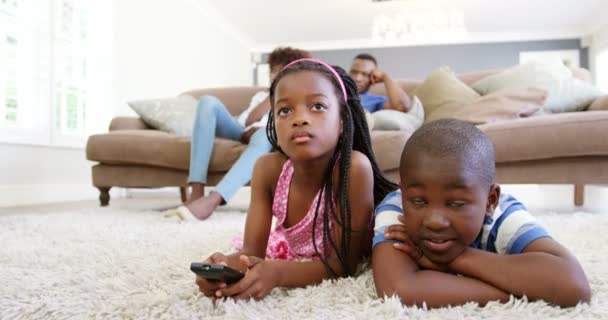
<point>354,136</point>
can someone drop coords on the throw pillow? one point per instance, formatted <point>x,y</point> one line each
<point>370,120</point>
<point>565,93</point>
<point>442,89</point>
<point>599,104</point>
<point>402,121</point>
<point>172,115</point>
<point>502,105</point>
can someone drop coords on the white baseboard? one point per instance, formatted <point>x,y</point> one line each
<point>240,199</point>
<point>541,196</point>
<point>558,196</point>
<point>25,195</point>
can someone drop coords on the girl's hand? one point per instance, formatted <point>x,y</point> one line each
<point>206,287</point>
<point>259,280</point>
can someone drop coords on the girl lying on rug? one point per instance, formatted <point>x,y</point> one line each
<point>449,237</point>
<point>322,186</point>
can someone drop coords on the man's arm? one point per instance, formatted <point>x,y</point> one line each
<point>396,273</point>
<point>544,270</point>
<point>397,98</point>
<point>258,112</point>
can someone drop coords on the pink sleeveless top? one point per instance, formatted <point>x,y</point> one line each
<point>294,242</point>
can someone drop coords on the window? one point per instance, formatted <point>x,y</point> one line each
<point>9,83</point>
<point>601,65</point>
<point>43,71</point>
<point>24,71</point>
<point>70,70</point>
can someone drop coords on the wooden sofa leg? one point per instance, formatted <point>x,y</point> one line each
<point>579,194</point>
<point>183,192</point>
<point>104,196</point>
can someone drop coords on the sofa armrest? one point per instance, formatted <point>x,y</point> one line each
<point>128,123</point>
<point>600,103</point>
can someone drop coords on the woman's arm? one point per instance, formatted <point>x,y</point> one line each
<point>544,270</point>
<point>258,112</point>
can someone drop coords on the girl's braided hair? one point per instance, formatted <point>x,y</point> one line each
<point>355,136</point>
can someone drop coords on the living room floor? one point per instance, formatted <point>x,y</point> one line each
<point>77,260</point>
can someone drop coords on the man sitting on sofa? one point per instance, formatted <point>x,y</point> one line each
<point>365,73</point>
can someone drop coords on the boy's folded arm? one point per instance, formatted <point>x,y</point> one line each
<point>396,273</point>
<point>544,270</point>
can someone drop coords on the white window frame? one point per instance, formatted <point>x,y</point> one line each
<point>38,131</point>
<point>47,131</point>
<point>58,137</point>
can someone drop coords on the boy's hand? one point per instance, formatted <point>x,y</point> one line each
<point>259,280</point>
<point>206,287</point>
<point>398,232</point>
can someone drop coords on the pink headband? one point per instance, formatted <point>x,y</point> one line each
<point>326,65</point>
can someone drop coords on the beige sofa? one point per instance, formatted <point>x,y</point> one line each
<point>568,148</point>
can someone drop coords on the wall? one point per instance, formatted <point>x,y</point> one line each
<point>158,49</point>
<point>417,62</point>
<point>159,56</point>
<point>37,174</point>
<point>598,41</point>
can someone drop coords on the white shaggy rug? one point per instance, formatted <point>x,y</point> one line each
<point>104,263</point>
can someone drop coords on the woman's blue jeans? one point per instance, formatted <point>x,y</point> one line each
<point>213,119</point>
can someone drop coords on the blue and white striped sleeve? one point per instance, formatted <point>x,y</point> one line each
<point>386,215</point>
<point>515,228</point>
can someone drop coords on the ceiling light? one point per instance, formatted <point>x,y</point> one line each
<point>409,26</point>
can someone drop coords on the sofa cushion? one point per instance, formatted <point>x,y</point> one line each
<point>553,136</point>
<point>387,146</point>
<point>173,115</point>
<point>128,123</point>
<point>396,120</point>
<point>507,104</point>
<point>160,149</point>
<point>600,103</point>
<point>565,93</point>
<point>443,90</point>
<point>157,148</point>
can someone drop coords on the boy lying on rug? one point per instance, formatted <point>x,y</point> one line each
<point>321,186</point>
<point>460,239</point>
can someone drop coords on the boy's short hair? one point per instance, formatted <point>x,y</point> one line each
<point>284,55</point>
<point>366,56</point>
<point>449,138</point>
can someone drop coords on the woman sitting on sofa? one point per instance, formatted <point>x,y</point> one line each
<point>213,119</point>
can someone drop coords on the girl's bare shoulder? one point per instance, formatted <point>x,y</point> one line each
<point>270,166</point>
<point>359,163</point>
